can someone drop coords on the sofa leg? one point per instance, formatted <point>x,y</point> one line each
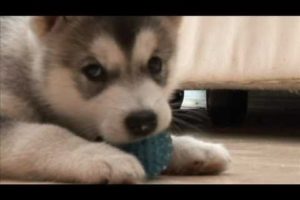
<point>227,107</point>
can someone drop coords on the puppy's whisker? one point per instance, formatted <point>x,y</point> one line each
<point>175,128</point>
<point>194,116</point>
<point>175,103</point>
<point>184,123</point>
<point>195,119</point>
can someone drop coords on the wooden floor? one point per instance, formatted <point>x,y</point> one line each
<point>256,160</point>
<point>265,150</point>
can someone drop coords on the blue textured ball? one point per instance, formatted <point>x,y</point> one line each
<point>153,152</point>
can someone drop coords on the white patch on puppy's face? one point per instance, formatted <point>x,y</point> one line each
<point>106,50</point>
<point>145,46</point>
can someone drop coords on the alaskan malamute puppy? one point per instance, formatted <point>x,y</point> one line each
<point>68,83</point>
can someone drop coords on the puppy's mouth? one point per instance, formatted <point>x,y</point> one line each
<point>133,138</point>
<point>138,138</point>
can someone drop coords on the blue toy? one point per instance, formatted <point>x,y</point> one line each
<point>153,152</point>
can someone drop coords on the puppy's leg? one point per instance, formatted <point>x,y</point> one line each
<point>52,153</point>
<point>192,157</point>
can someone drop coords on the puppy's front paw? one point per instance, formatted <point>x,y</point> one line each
<point>110,166</point>
<point>192,157</point>
<point>124,169</point>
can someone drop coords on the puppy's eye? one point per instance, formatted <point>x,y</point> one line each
<point>94,72</point>
<point>155,65</point>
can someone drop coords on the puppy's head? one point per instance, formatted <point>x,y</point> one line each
<point>107,76</point>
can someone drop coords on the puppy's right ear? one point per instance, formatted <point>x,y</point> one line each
<point>41,25</point>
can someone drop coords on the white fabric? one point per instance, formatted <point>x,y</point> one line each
<point>240,52</point>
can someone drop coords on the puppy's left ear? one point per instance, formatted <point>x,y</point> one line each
<point>175,19</point>
<point>41,25</point>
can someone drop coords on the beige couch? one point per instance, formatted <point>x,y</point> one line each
<point>240,52</point>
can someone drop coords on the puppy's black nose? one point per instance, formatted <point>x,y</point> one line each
<point>141,123</point>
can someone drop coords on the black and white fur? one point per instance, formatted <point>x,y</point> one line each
<point>52,116</point>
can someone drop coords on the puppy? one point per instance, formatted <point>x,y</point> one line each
<point>71,84</point>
